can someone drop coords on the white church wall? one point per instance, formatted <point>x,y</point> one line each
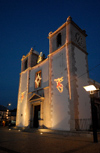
<point>43,67</point>
<point>23,106</point>
<point>46,109</point>
<point>60,102</point>
<point>82,80</point>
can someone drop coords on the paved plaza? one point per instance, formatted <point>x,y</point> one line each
<point>16,141</point>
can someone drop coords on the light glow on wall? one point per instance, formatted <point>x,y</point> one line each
<point>22,96</point>
<point>59,84</point>
<point>68,68</point>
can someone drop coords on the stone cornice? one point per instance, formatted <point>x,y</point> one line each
<point>46,87</point>
<point>77,47</point>
<point>66,44</point>
<point>38,65</point>
<point>24,57</point>
<point>69,21</point>
<point>30,52</point>
<point>29,68</point>
<point>77,27</point>
<point>35,100</point>
<point>59,49</point>
<point>52,34</point>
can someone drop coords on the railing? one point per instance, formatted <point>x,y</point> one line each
<point>83,124</point>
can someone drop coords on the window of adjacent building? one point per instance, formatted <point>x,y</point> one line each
<point>59,40</point>
<point>38,79</point>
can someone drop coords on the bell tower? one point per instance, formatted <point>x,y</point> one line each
<point>68,62</point>
<point>78,72</point>
<point>23,106</point>
<point>29,60</point>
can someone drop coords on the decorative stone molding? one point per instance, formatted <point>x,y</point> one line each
<point>69,18</point>
<point>31,50</point>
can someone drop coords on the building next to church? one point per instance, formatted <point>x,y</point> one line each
<point>51,93</point>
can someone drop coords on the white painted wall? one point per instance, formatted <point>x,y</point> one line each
<point>23,107</point>
<point>46,109</point>
<point>82,80</point>
<point>60,102</point>
<point>44,67</point>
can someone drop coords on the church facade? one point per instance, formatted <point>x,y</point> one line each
<point>51,93</point>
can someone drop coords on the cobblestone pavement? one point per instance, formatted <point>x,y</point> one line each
<point>14,141</point>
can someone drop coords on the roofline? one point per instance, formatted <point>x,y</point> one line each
<point>68,21</point>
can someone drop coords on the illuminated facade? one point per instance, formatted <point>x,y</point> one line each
<point>51,93</point>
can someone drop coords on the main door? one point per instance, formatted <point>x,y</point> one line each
<point>36,116</point>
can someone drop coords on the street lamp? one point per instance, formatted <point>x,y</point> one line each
<point>9,104</point>
<point>92,89</point>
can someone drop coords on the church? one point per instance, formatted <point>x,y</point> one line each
<point>51,93</point>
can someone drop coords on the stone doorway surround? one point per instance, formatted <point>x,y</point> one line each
<point>36,100</point>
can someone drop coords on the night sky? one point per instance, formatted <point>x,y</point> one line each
<point>26,23</point>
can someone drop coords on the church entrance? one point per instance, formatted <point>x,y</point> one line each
<point>36,116</point>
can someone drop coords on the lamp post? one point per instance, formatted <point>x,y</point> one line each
<point>91,89</point>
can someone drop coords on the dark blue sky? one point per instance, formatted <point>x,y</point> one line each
<point>26,23</point>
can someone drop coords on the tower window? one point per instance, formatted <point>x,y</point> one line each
<point>59,40</point>
<point>26,61</point>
